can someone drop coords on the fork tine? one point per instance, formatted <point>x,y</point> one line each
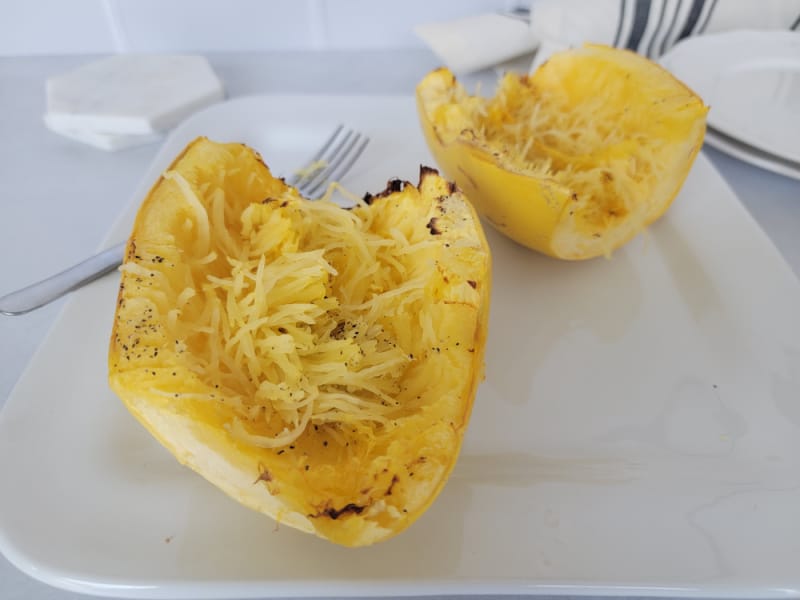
<point>334,162</point>
<point>338,154</point>
<point>322,174</point>
<point>345,168</point>
<point>342,164</point>
<point>295,179</point>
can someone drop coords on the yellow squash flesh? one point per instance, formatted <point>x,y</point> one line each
<point>317,364</point>
<point>573,160</point>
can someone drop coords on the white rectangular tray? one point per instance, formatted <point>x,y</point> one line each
<point>638,431</point>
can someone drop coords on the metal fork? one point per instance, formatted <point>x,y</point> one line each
<point>332,161</point>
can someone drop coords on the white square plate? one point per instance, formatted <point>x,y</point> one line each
<point>638,431</point>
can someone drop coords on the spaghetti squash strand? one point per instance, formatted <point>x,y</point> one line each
<point>304,312</point>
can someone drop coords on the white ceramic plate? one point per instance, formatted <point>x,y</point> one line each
<point>750,154</point>
<point>751,81</point>
<point>638,431</point>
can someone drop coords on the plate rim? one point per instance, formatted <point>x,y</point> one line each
<point>754,156</point>
<point>677,59</point>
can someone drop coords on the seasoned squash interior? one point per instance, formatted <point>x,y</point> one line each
<point>337,350</point>
<point>605,128</point>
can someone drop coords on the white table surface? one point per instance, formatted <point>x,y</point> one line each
<point>59,198</point>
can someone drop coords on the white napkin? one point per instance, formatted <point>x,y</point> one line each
<point>128,100</point>
<point>650,27</point>
<point>473,43</point>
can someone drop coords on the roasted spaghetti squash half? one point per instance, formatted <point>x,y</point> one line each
<point>317,364</point>
<point>573,160</point>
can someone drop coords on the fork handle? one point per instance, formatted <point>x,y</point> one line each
<point>52,288</point>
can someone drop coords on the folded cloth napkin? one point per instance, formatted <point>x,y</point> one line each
<point>128,100</point>
<point>473,43</point>
<point>649,27</point>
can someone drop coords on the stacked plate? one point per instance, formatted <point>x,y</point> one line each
<point>128,100</point>
<point>751,81</point>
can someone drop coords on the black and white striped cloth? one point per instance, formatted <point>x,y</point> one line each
<point>650,27</point>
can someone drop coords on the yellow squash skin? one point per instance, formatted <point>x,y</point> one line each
<point>353,482</point>
<point>576,199</point>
